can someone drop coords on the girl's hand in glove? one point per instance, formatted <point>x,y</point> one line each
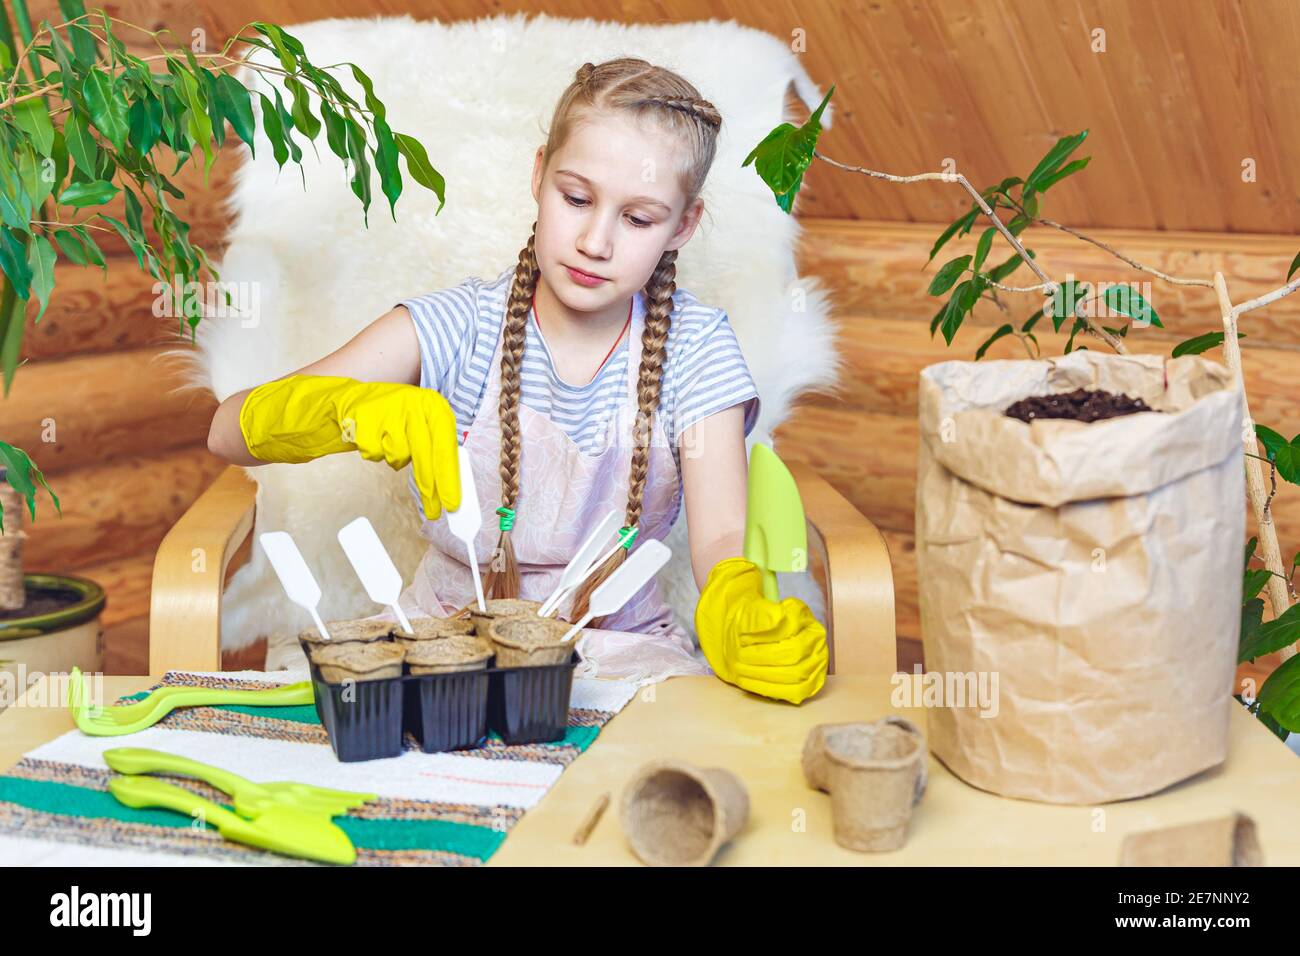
<point>774,649</point>
<point>303,417</point>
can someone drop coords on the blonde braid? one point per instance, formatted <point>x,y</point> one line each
<point>503,580</point>
<point>659,291</point>
<point>701,109</point>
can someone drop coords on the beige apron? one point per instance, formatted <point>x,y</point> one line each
<point>563,495</point>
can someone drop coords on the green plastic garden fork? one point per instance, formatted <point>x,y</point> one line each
<point>130,718</point>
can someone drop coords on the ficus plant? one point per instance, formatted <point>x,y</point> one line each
<point>966,281</point>
<point>83,122</point>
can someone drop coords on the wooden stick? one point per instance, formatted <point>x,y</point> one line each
<point>591,819</point>
<point>1255,490</point>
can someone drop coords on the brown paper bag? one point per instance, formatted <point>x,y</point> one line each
<point>1093,570</point>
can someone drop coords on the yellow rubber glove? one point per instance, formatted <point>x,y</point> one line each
<point>303,417</point>
<point>774,649</point>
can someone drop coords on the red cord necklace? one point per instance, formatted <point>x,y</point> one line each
<point>537,316</point>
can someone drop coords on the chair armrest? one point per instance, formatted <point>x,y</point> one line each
<point>860,625</point>
<point>188,578</point>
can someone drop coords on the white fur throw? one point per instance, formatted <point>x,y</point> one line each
<point>477,94</point>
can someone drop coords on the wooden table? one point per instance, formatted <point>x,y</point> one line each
<point>706,722</point>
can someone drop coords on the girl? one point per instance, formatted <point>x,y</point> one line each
<point>562,418</point>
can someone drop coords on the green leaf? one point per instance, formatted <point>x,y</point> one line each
<point>1000,272</point>
<point>1079,326</point>
<point>360,165</point>
<point>107,108</point>
<point>372,102</point>
<point>303,117</point>
<point>1285,455</point>
<point>198,126</point>
<point>982,249</point>
<point>79,248</point>
<point>938,317</point>
<point>1001,331</point>
<point>40,259</point>
<point>145,122</point>
<point>1279,697</point>
<point>236,105</point>
<point>1065,302</point>
<point>211,93</point>
<point>418,165</point>
<point>65,58</point>
<point>88,194</point>
<point>1295,264</point>
<point>136,243</point>
<point>949,273</point>
<point>1255,580</point>
<point>81,145</point>
<point>335,131</point>
<point>1052,160</point>
<point>285,45</point>
<point>963,224</point>
<point>1250,550</point>
<point>13,260</point>
<point>390,176</point>
<point>1018,224</point>
<point>274,131</point>
<point>35,174</point>
<point>1068,170</point>
<point>18,471</point>
<point>134,212</point>
<point>83,41</point>
<point>1200,343</point>
<point>961,302</point>
<point>286,125</point>
<point>1002,187</point>
<point>1252,616</point>
<point>1126,301</point>
<point>15,205</point>
<point>33,117</point>
<point>1271,723</point>
<point>786,152</point>
<point>1272,635</point>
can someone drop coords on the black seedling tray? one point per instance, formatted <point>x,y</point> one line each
<point>530,705</point>
<point>365,719</point>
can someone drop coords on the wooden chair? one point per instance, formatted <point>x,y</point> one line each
<point>194,562</point>
<point>846,552</point>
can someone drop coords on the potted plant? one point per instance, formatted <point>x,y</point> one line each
<point>49,623</point>
<point>967,281</point>
<point>85,123</point>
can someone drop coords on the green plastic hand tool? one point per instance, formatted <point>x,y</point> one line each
<point>130,718</point>
<point>776,535</point>
<point>250,797</point>
<point>278,828</point>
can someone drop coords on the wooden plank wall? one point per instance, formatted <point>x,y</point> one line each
<point>1178,94</point>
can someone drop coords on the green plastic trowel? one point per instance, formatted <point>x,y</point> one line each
<point>276,827</point>
<point>776,536</point>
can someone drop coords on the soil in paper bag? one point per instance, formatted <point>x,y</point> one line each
<point>1081,405</point>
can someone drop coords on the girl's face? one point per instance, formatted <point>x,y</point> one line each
<point>608,205</point>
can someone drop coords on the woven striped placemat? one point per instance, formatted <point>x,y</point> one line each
<point>445,809</point>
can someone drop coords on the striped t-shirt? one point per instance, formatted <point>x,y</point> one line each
<point>704,371</point>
